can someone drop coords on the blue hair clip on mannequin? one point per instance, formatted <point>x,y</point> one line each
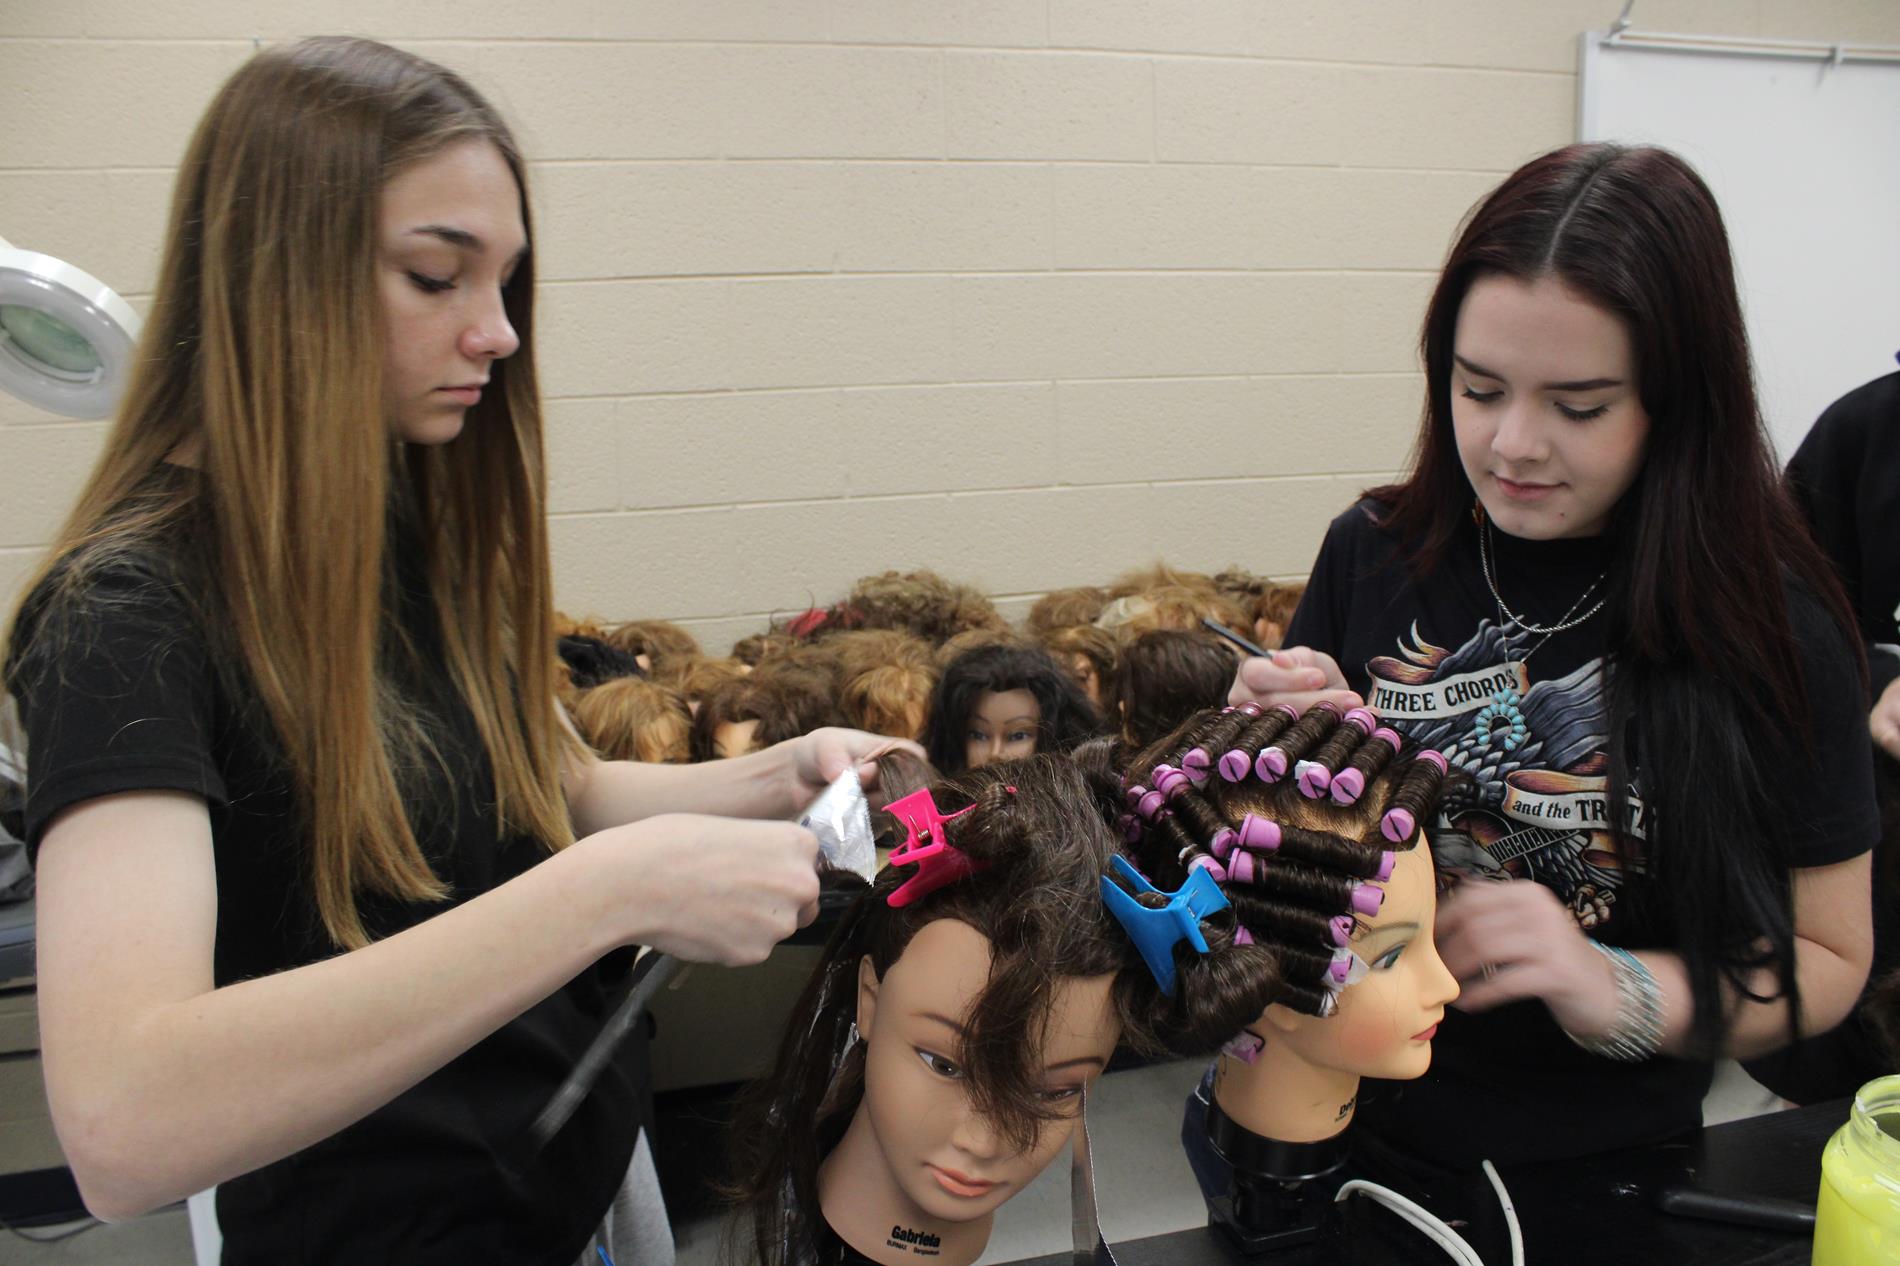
<point>1301,829</point>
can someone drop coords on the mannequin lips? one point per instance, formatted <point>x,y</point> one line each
<point>960,1184</point>
<point>1427,1035</point>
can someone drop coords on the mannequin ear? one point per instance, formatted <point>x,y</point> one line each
<point>1285,1021</point>
<point>867,996</point>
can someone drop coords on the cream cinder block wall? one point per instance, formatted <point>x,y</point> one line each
<point>1027,291</point>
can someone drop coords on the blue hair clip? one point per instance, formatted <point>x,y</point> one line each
<point>1155,931</point>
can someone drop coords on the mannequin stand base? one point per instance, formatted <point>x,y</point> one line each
<point>1281,1194</point>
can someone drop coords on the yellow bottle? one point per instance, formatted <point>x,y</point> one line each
<point>1857,1220</point>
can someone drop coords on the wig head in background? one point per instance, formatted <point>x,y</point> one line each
<point>1040,835</point>
<point>1297,819</point>
<point>1166,676</point>
<point>860,650</point>
<point>591,661</point>
<point>755,648</point>
<point>1271,612</point>
<point>566,625</point>
<point>668,649</point>
<point>769,706</point>
<point>1157,576</point>
<point>631,718</point>
<point>1065,715</point>
<point>887,677</point>
<point>1092,656</point>
<point>974,639</point>
<point>1168,607</point>
<point>921,602</point>
<point>270,276</point>
<point>706,675</point>
<point>1064,608</point>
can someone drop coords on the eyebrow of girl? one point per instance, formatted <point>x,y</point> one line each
<point>1581,384</point>
<point>960,1031</point>
<point>459,237</point>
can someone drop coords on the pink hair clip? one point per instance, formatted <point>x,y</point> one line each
<point>938,862</point>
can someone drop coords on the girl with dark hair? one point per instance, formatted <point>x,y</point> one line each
<point>325,879</point>
<point>936,1061</point>
<point>1591,593</point>
<point>1002,702</point>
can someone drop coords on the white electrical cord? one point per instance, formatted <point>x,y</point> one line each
<point>1510,1214</point>
<point>1434,1228</point>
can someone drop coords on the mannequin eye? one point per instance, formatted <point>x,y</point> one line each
<point>1062,1094</point>
<point>1390,958</point>
<point>939,1065</point>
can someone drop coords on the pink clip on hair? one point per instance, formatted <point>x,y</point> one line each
<point>938,862</point>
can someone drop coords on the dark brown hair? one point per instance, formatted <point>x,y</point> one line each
<point>1167,675</point>
<point>1288,899</point>
<point>1707,689</point>
<point>921,602</point>
<point>1065,715</point>
<point>1041,835</point>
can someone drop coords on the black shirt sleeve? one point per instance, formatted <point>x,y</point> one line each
<point>115,688</point>
<point>1839,818</point>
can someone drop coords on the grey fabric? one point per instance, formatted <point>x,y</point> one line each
<point>635,1231</point>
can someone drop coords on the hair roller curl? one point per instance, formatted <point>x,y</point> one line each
<point>1316,772</point>
<point>1412,804</point>
<point>1237,763</point>
<point>1368,761</point>
<point>1300,738</point>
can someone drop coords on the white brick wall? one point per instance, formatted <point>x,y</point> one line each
<point>1029,291</point>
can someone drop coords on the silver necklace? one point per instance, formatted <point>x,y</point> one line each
<point>1564,621</point>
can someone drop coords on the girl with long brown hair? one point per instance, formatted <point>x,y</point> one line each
<point>325,878</point>
<point>1592,595</point>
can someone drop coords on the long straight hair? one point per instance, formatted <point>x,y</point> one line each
<point>263,359</point>
<point>1705,689</point>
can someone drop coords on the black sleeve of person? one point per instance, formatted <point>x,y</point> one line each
<point>1837,816</point>
<point>115,691</point>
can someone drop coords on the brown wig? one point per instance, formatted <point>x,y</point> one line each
<point>631,718</point>
<point>1272,610</point>
<point>1066,717</point>
<point>1144,580</point>
<point>1707,674</point>
<point>755,648</point>
<point>1190,798</point>
<point>891,699</point>
<point>923,603</point>
<point>1097,646</point>
<point>704,676</point>
<point>1167,675</point>
<point>263,360</point>
<point>670,649</point>
<point>1169,607</point>
<point>1065,608</point>
<point>859,651</point>
<point>1040,834</point>
<point>785,702</point>
<point>969,640</point>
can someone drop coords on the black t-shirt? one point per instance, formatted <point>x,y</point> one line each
<point>1846,475</point>
<point>1523,715</point>
<point>124,693</point>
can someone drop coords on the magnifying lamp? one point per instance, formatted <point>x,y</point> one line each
<point>66,338</point>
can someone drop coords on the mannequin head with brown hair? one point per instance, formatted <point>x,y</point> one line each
<point>1309,826</point>
<point>1092,656</point>
<point>632,718</point>
<point>768,706</point>
<point>935,1062</point>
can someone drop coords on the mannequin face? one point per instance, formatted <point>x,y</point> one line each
<point>1091,681</point>
<point>1002,727</point>
<point>735,738</point>
<point>1384,1024</point>
<point>1545,406</point>
<point>451,236</point>
<point>948,1161</point>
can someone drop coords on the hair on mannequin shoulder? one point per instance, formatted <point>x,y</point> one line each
<point>1041,835</point>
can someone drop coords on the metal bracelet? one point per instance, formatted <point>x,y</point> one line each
<point>1638,1031</point>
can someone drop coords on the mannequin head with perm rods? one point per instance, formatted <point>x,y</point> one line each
<point>935,1063</point>
<point>1309,825</point>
